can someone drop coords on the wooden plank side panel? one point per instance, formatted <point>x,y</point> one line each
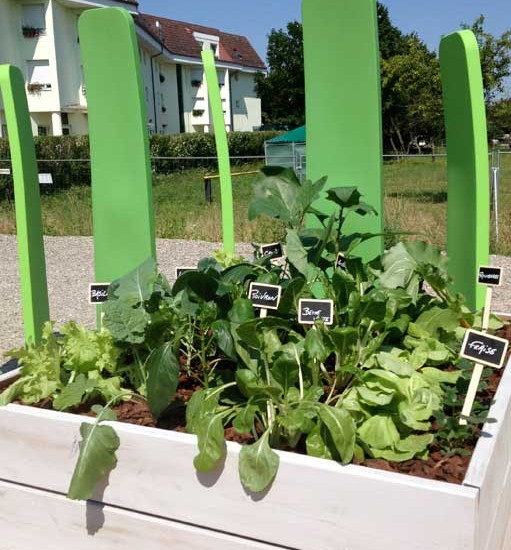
<point>30,518</point>
<point>313,503</point>
<point>490,471</point>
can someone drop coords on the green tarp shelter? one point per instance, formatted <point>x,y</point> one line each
<point>287,150</point>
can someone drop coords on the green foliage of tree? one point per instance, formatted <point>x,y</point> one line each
<point>411,97</point>
<point>282,91</point>
<point>495,57</point>
<point>499,118</point>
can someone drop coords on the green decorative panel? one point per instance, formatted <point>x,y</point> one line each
<point>122,201</point>
<point>222,149</point>
<point>34,291</point>
<point>468,230</point>
<point>343,104</point>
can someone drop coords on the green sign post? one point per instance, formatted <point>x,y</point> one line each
<point>222,149</point>
<point>32,266</point>
<point>343,105</point>
<point>122,202</point>
<point>468,223</point>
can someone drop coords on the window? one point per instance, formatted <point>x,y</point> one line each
<point>197,75</point>
<point>5,133</point>
<point>33,18</point>
<point>43,131</point>
<point>39,75</point>
<point>221,77</point>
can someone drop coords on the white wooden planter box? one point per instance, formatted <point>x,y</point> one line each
<point>155,500</point>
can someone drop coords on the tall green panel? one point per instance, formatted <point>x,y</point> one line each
<point>343,104</point>
<point>121,172</point>
<point>34,290</point>
<point>222,149</point>
<point>468,218</point>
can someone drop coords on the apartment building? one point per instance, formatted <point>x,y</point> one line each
<point>41,37</point>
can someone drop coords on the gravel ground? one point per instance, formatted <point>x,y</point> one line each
<point>69,263</point>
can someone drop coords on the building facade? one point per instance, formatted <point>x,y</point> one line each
<point>41,38</point>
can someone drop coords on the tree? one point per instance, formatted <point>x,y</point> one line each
<point>411,97</point>
<point>282,91</point>
<point>499,118</point>
<point>495,57</point>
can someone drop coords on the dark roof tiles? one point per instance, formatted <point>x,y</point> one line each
<point>177,37</point>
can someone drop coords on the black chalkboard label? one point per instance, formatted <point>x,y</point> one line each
<point>484,349</point>
<point>98,293</point>
<point>340,261</point>
<point>312,310</point>
<point>182,270</point>
<point>265,296</point>
<point>272,251</point>
<point>490,276</point>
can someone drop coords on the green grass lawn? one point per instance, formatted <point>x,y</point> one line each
<point>415,201</point>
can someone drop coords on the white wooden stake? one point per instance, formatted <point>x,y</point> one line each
<point>478,369</point>
<point>263,313</point>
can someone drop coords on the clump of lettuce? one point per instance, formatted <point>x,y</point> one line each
<point>72,367</point>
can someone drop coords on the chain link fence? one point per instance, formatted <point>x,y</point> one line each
<point>415,186</point>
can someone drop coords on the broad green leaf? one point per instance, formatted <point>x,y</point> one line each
<point>342,430</point>
<point>316,442</point>
<point>414,446</point>
<point>73,394</point>
<point>379,432</point>
<point>258,465</point>
<point>296,253</point>
<point>200,285</point>
<point>248,332</point>
<point>285,371</point>
<point>375,397</point>
<point>438,318</point>
<point>398,267</point>
<point>201,404</point>
<point>137,286</point>
<point>291,295</point>
<point>12,392</point>
<point>276,194</point>
<point>343,338</point>
<point>162,378</point>
<point>315,345</point>
<point>243,422</point>
<point>299,420</point>
<point>250,385</point>
<point>345,197</point>
<point>125,323</point>
<point>223,337</point>
<point>241,311</point>
<point>210,438</point>
<point>394,364</point>
<point>437,376</point>
<point>96,460</point>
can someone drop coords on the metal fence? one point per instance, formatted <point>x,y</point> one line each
<point>58,175</point>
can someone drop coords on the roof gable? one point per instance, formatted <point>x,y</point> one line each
<point>177,37</point>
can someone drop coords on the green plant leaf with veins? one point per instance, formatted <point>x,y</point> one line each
<point>162,378</point>
<point>97,455</point>
<point>258,464</point>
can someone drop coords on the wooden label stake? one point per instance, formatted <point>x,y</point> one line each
<point>490,277</point>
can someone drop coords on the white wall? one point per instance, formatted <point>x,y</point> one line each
<point>68,54</point>
<point>246,106</point>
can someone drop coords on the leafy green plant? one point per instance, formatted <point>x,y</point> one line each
<point>374,384</point>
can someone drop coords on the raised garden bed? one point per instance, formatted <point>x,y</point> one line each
<point>155,497</point>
